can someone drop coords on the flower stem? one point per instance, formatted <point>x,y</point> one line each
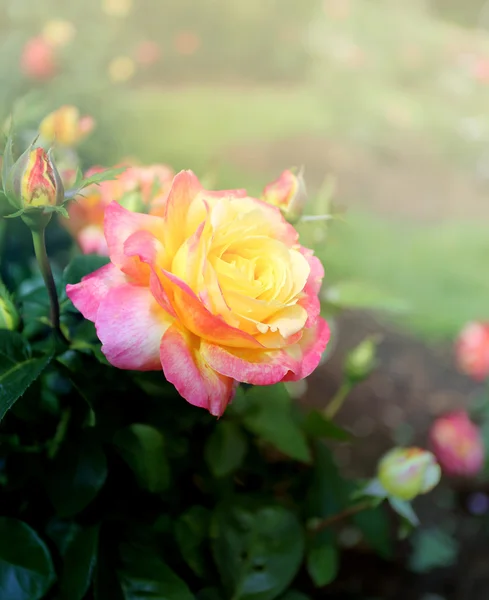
<point>338,399</point>
<point>347,512</point>
<point>38,238</point>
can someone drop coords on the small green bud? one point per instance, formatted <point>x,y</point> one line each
<point>9,316</point>
<point>361,361</point>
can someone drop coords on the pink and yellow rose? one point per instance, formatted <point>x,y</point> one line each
<point>215,291</point>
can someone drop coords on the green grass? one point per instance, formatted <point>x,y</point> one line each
<point>440,272</point>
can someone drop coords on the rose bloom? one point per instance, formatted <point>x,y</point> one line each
<point>472,350</point>
<point>65,126</point>
<point>457,444</point>
<point>37,60</point>
<point>216,291</point>
<point>136,188</point>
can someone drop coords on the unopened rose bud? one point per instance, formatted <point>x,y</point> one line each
<point>472,350</point>
<point>34,181</point>
<point>288,193</point>
<point>408,472</point>
<point>9,316</point>
<point>361,361</point>
<point>65,126</point>
<point>457,444</point>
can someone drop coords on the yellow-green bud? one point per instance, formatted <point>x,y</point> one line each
<point>9,317</point>
<point>408,472</point>
<point>361,361</point>
<point>34,181</point>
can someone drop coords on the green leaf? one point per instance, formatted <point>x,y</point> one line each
<point>106,175</point>
<point>191,532</point>
<point>374,525</point>
<point>405,510</point>
<point>225,448</point>
<point>79,564</point>
<point>433,548</point>
<point>76,475</point>
<point>18,370</point>
<point>26,568</point>
<point>81,266</point>
<point>145,576</point>
<point>267,412</point>
<point>317,425</point>
<point>258,550</point>
<point>322,563</point>
<point>360,295</point>
<point>8,159</point>
<point>143,449</point>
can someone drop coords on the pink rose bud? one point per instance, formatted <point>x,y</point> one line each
<point>288,193</point>
<point>408,472</point>
<point>457,444</point>
<point>37,60</point>
<point>34,181</point>
<point>472,350</point>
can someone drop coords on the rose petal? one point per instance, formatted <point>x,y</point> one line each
<point>119,225</point>
<point>308,350</point>
<point>310,301</point>
<point>185,367</point>
<point>249,366</point>
<point>196,318</point>
<point>89,293</point>
<point>130,325</point>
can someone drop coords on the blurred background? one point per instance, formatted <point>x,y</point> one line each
<point>383,101</point>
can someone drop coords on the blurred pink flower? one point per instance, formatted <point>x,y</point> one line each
<point>187,43</point>
<point>38,60</point>
<point>472,350</point>
<point>148,53</point>
<point>481,70</point>
<point>457,444</point>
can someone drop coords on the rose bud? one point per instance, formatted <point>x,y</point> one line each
<point>34,181</point>
<point>472,350</point>
<point>457,444</point>
<point>288,193</point>
<point>408,472</point>
<point>65,126</point>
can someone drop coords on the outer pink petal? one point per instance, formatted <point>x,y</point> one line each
<point>310,349</point>
<point>119,225</point>
<point>130,325</point>
<point>249,366</point>
<point>193,378</point>
<point>89,293</point>
<point>196,318</point>
<point>310,302</point>
<point>149,250</point>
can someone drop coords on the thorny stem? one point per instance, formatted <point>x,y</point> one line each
<point>348,512</point>
<point>338,399</point>
<point>38,238</point>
